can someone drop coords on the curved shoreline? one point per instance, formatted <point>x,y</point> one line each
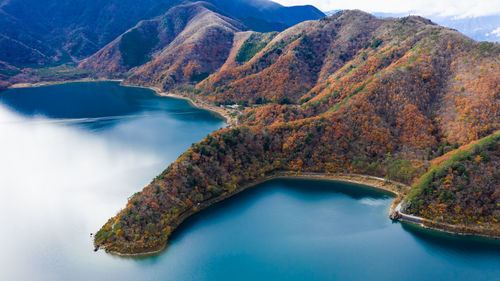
<point>376,183</point>
<point>455,230</point>
<point>387,186</point>
<point>371,182</point>
<point>223,113</point>
<point>49,83</point>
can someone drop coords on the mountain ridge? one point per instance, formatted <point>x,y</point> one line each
<point>349,93</point>
<point>66,32</point>
<point>168,30</point>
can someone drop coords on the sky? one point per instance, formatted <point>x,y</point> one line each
<point>458,8</point>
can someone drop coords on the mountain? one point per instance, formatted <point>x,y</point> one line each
<point>264,15</point>
<point>480,28</point>
<point>485,28</point>
<point>331,12</point>
<point>186,43</point>
<point>349,93</point>
<point>43,33</point>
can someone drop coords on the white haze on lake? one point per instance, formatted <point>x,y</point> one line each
<point>58,184</point>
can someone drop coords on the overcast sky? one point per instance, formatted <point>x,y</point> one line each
<point>460,8</point>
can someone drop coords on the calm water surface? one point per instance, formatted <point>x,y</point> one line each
<point>72,154</point>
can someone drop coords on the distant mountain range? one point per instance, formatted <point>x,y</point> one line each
<point>485,28</point>
<point>482,28</point>
<point>42,33</point>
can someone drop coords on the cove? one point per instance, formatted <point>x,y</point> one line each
<point>73,153</point>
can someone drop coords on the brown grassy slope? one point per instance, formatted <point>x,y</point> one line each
<point>293,62</point>
<point>180,31</point>
<point>424,78</point>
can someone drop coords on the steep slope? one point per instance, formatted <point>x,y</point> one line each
<point>378,97</point>
<point>17,53</point>
<point>462,188</point>
<point>454,76</point>
<point>6,71</point>
<point>264,15</point>
<point>72,30</point>
<point>22,45</point>
<point>290,65</point>
<point>177,31</point>
<point>200,49</point>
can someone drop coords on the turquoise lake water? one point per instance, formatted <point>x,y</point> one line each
<point>72,154</point>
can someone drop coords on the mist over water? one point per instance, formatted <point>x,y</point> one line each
<point>64,172</point>
<point>58,183</point>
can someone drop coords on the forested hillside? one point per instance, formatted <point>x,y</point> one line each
<point>181,46</point>
<point>462,188</point>
<point>349,93</point>
<point>41,34</point>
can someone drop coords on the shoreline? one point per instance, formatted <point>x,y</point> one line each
<point>375,183</point>
<point>428,224</point>
<point>49,83</point>
<point>445,228</point>
<point>219,111</point>
<point>371,182</point>
<point>223,113</point>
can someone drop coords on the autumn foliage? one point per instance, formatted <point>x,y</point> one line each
<point>349,93</point>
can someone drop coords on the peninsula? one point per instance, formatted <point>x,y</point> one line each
<point>346,94</point>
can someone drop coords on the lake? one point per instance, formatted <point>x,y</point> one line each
<point>72,154</point>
